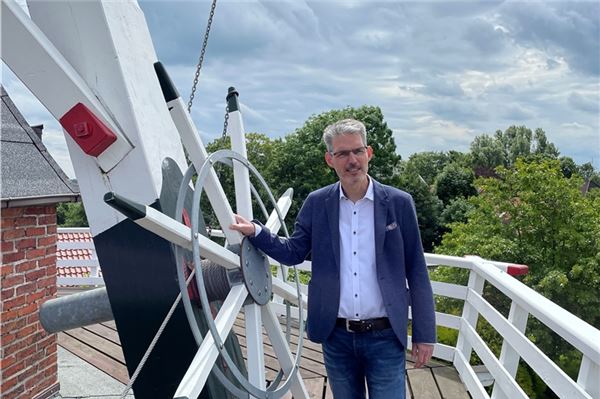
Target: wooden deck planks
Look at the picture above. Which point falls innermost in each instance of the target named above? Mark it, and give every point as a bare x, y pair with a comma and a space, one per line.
422, 384
94, 357
105, 331
99, 345
449, 383
107, 347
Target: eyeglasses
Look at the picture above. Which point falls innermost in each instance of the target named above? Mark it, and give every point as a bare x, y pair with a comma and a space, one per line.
346, 153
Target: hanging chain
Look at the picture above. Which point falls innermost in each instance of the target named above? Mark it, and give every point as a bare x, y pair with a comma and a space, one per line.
225, 123
201, 58
223, 135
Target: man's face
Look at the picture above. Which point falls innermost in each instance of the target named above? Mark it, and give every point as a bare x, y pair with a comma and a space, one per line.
350, 159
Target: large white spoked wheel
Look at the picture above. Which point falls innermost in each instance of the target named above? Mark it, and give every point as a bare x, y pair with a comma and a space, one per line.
249, 276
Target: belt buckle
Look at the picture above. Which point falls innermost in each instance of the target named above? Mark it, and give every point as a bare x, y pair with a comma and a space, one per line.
348, 325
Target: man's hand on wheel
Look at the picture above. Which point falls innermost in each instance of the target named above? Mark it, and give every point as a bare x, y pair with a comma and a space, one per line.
242, 225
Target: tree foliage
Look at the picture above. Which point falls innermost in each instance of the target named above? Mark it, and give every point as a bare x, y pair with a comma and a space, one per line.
504, 148
427, 204
260, 150
454, 181
456, 211
533, 215
71, 214
427, 164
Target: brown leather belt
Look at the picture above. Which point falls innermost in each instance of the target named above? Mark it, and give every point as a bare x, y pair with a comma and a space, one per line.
361, 326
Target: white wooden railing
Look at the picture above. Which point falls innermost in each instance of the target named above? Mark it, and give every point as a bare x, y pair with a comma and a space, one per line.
525, 302
502, 370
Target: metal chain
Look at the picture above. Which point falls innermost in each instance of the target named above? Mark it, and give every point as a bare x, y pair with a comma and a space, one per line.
226, 122
201, 58
223, 135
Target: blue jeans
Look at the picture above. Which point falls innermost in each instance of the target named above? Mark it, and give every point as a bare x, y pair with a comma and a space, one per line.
376, 356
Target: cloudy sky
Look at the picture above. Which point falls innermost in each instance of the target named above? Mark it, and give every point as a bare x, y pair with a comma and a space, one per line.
442, 72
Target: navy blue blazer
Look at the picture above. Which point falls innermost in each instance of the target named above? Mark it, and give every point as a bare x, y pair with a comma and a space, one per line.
399, 258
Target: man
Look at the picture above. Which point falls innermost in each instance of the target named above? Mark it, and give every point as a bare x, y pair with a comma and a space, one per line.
366, 247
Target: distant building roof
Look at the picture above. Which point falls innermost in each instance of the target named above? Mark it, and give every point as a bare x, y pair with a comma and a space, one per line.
30, 176
65, 236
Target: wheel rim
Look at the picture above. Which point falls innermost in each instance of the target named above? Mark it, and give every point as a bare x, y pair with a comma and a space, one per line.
274, 390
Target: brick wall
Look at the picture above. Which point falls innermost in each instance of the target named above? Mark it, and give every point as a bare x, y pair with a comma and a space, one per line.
28, 355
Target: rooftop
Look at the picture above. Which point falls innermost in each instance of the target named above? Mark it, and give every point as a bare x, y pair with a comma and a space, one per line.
30, 176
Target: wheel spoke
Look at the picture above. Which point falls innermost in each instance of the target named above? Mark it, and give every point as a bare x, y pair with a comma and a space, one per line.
197, 152
221, 207
254, 345
280, 346
284, 204
194, 379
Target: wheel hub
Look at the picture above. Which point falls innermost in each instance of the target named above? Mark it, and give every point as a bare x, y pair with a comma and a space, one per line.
256, 271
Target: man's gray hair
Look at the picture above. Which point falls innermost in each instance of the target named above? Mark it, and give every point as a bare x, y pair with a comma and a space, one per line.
344, 127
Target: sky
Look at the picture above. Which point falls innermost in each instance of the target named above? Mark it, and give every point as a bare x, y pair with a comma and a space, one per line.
441, 72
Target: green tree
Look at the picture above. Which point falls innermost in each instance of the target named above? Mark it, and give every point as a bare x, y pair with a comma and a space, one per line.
568, 166
454, 181
487, 154
464, 159
533, 215
504, 148
457, 211
427, 164
428, 206
260, 149
71, 214
542, 146
588, 173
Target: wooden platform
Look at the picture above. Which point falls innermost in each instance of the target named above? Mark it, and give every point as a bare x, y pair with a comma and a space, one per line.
99, 345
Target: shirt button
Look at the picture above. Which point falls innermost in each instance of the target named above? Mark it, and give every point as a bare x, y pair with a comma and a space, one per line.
354, 252
355, 295
355, 212
354, 232
356, 314
355, 273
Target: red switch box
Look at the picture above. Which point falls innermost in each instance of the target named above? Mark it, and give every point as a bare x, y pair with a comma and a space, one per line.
88, 131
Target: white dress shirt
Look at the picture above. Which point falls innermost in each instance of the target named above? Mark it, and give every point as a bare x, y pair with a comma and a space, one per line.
360, 296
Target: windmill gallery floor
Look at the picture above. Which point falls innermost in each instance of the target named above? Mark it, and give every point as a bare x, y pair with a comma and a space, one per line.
91, 366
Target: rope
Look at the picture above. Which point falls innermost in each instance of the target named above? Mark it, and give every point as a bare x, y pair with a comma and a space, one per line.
155, 340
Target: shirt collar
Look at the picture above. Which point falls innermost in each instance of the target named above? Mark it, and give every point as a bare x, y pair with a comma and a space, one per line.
368, 194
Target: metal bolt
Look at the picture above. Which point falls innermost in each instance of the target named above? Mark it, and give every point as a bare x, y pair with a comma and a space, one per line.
251, 282
195, 235
259, 293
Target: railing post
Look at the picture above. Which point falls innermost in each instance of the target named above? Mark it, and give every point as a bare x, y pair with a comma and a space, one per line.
589, 377
509, 357
94, 270
470, 314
